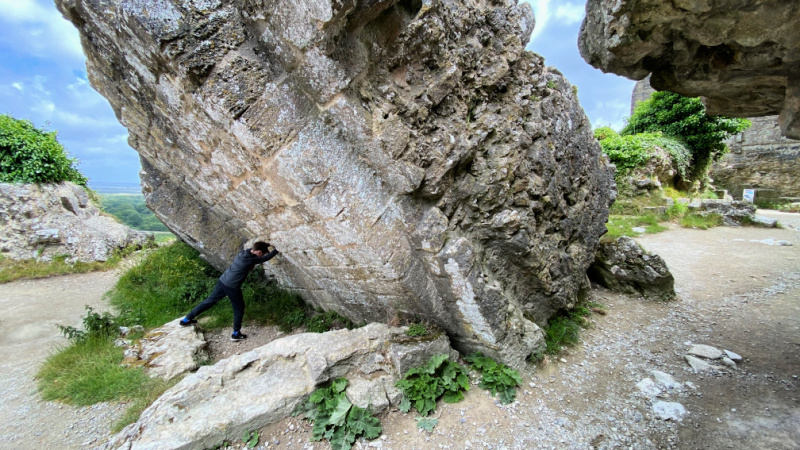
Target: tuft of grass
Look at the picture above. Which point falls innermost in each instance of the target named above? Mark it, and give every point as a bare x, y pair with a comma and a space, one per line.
563, 329
702, 222
11, 269
417, 330
623, 225
89, 372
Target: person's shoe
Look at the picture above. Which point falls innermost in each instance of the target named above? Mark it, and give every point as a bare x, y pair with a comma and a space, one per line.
238, 336
186, 323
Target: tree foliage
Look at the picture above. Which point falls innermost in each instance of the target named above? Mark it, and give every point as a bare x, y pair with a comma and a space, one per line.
31, 155
685, 119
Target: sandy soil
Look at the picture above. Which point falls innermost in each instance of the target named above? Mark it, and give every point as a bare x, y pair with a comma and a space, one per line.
737, 289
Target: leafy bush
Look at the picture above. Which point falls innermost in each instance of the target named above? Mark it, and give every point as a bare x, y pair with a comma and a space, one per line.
633, 151
336, 419
423, 386
94, 326
497, 378
685, 119
31, 155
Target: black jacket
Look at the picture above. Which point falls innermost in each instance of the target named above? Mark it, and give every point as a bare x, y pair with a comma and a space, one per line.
241, 266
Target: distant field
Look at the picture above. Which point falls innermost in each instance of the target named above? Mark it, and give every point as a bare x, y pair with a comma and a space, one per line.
131, 210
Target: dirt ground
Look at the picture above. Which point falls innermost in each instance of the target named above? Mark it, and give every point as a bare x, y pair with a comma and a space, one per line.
738, 290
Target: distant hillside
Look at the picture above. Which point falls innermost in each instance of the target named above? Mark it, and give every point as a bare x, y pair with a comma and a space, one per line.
131, 210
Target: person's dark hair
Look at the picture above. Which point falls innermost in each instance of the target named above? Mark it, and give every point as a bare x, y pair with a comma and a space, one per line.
263, 247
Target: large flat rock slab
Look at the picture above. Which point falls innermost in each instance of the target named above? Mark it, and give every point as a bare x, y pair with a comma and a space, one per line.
248, 391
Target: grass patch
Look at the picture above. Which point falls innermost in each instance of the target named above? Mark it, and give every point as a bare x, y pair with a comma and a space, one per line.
563, 329
623, 225
163, 237
89, 372
12, 269
702, 222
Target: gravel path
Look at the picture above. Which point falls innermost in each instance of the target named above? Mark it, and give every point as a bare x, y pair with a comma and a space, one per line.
28, 334
737, 290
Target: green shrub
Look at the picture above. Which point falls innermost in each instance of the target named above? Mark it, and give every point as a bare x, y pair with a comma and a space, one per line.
685, 119
95, 325
497, 378
30, 155
336, 419
633, 151
423, 386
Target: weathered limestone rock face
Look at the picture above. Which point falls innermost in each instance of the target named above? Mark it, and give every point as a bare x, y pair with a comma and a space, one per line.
248, 391
404, 156
742, 56
168, 351
623, 266
760, 158
42, 221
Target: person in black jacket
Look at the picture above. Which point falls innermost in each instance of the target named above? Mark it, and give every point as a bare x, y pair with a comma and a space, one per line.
230, 285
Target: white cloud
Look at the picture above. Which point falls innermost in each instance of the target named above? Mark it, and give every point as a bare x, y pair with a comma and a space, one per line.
39, 29
570, 13
18, 86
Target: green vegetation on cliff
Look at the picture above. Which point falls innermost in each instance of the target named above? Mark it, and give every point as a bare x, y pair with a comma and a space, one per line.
685, 120
31, 155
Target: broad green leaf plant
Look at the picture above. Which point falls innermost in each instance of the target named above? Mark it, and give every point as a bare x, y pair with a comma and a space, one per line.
423, 386
336, 419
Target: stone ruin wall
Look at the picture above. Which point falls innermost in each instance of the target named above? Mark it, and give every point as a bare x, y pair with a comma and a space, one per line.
760, 158
407, 158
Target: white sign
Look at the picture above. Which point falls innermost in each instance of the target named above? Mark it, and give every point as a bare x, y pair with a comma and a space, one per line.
748, 195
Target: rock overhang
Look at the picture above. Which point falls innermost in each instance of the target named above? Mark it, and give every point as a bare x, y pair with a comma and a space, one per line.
743, 59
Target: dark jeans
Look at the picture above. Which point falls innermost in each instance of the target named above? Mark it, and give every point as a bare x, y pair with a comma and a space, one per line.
221, 291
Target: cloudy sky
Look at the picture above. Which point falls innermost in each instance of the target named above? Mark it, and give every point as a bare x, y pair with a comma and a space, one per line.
43, 79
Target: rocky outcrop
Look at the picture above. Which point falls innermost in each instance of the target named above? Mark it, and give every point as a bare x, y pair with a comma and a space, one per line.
622, 266
44, 221
405, 157
759, 158
742, 58
733, 214
248, 391
168, 351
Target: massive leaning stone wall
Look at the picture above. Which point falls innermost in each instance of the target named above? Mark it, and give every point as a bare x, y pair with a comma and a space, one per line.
760, 158
406, 157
